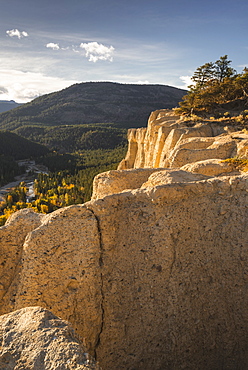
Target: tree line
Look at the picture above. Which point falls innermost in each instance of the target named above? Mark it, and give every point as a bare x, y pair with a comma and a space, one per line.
69, 181
215, 84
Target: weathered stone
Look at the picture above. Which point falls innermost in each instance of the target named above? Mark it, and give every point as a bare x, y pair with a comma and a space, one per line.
12, 237
172, 176
152, 278
168, 142
113, 182
61, 270
210, 167
221, 148
242, 149
135, 149
34, 339
173, 276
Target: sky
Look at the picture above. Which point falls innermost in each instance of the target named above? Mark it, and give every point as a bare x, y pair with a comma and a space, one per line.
48, 45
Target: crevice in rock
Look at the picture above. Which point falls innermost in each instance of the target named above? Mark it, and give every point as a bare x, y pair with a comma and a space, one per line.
174, 254
101, 263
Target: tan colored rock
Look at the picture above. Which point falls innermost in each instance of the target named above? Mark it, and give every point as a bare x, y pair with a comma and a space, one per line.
166, 136
210, 167
12, 237
35, 339
112, 182
172, 273
164, 119
142, 141
163, 133
152, 271
169, 176
222, 148
135, 149
242, 149
152, 278
194, 143
61, 270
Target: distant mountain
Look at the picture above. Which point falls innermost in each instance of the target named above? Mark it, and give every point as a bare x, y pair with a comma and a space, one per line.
126, 105
6, 105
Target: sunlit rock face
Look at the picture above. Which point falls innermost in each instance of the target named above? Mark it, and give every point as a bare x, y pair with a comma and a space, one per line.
153, 277
152, 272
34, 338
169, 142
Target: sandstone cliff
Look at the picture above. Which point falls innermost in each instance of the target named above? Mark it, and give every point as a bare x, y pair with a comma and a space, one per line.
169, 142
152, 272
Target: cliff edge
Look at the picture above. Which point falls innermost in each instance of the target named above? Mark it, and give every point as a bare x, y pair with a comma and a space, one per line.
170, 142
152, 272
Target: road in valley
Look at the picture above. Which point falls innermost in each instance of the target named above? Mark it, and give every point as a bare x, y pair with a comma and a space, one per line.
32, 169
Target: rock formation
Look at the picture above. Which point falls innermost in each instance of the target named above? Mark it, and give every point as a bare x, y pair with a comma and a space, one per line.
33, 338
169, 142
152, 272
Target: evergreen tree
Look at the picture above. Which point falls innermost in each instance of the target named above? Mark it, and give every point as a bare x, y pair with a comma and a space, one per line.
203, 74
215, 84
223, 69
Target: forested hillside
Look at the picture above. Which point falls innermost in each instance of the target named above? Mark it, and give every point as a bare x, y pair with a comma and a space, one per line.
8, 169
18, 147
12, 148
71, 138
84, 130
125, 105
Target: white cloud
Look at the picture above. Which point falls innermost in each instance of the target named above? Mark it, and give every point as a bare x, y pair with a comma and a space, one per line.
96, 51
25, 86
186, 80
53, 46
17, 33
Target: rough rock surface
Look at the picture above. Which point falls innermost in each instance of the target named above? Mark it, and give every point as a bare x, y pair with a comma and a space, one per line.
168, 142
12, 237
112, 182
152, 272
61, 270
210, 167
34, 339
152, 278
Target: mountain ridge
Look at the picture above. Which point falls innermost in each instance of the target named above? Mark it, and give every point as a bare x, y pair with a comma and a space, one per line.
127, 105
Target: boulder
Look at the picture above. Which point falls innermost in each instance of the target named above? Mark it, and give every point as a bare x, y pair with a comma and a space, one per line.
112, 182
210, 167
34, 339
61, 270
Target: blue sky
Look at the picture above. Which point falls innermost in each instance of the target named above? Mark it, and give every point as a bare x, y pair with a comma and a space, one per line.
48, 45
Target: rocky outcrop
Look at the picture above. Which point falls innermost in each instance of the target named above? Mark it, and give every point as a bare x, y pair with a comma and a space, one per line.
34, 339
60, 270
152, 272
112, 182
169, 142
153, 277
12, 237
